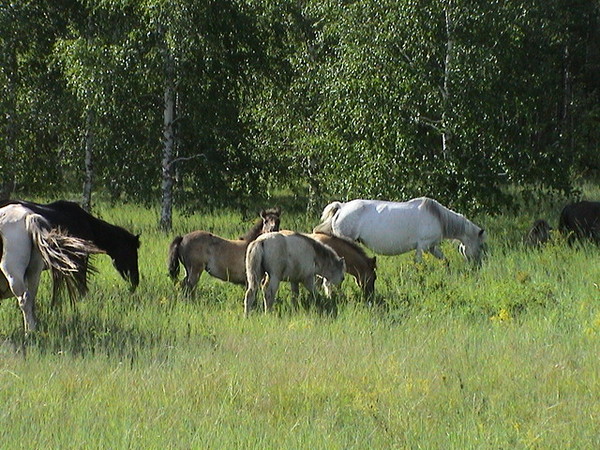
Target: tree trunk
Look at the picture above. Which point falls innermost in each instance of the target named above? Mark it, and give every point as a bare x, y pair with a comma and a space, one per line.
8, 180
314, 185
566, 126
89, 166
166, 214
446, 133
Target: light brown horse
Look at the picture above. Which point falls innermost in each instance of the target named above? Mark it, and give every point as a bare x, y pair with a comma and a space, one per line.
201, 251
288, 256
358, 264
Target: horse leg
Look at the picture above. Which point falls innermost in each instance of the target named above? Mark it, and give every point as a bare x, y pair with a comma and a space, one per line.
18, 254
192, 275
249, 299
270, 291
295, 291
419, 254
18, 286
27, 300
309, 284
435, 251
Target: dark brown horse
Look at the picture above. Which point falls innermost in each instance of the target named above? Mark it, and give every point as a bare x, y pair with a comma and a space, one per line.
539, 234
581, 220
201, 251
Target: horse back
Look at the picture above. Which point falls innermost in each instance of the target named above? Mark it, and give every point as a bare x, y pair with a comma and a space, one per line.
63, 214
582, 218
388, 228
286, 255
221, 258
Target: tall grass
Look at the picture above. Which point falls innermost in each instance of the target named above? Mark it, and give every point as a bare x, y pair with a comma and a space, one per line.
449, 357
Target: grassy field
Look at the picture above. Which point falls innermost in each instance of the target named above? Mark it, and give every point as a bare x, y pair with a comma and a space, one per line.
501, 357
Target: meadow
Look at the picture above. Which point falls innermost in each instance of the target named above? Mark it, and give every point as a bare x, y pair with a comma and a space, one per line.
504, 356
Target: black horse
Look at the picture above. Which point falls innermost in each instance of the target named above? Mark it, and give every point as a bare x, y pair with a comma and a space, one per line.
117, 242
581, 220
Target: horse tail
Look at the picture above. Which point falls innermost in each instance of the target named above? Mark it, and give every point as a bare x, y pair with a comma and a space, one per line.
66, 256
254, 264
327, 217
173, 260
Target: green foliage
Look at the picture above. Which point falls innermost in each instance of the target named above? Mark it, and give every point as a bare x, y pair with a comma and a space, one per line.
390, 99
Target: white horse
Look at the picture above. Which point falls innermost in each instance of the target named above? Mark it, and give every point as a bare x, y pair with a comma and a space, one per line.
392, 228
288, 256
30, 246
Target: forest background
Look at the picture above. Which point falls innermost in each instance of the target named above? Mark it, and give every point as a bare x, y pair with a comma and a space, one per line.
206, 103
212, 109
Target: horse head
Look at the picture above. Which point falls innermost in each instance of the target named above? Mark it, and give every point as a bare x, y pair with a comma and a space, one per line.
369, 281
125, 259
336, 270
473, 246
270, 219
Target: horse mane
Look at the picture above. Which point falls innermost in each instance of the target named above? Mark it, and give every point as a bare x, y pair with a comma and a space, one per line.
453, 224
253, 232
100, 227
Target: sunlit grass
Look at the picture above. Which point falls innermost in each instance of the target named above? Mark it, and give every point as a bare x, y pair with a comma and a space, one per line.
450, 357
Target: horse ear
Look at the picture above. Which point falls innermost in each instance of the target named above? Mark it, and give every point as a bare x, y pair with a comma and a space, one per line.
278, 210
481, 232
262, 213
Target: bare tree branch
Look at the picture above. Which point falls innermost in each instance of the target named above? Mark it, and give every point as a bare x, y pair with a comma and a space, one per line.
185, 158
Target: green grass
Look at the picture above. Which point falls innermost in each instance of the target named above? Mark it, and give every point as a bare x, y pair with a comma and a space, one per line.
501, 357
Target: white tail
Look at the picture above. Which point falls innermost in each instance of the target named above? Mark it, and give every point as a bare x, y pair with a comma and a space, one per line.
66, 256
59, 251
327, 217
254, 265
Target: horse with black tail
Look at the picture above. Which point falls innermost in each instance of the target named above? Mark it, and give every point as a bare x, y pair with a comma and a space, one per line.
118, 243
29, 245
222, 258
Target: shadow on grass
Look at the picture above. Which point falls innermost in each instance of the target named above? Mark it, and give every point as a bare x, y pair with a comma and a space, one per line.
74, 335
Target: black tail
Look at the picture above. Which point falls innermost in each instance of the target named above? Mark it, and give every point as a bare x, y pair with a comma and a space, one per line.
173, 259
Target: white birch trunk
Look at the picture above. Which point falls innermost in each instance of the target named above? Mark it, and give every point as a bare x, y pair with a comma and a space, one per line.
446, 134
8, 179
166, 214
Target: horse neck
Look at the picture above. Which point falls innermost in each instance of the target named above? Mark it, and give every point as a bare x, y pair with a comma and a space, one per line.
455, 226
253, 232
106, 236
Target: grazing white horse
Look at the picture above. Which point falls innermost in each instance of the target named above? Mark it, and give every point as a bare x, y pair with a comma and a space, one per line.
288, 256
392, 228
30, 246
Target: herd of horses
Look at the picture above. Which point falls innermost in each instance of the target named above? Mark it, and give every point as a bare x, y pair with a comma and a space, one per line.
60, 236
